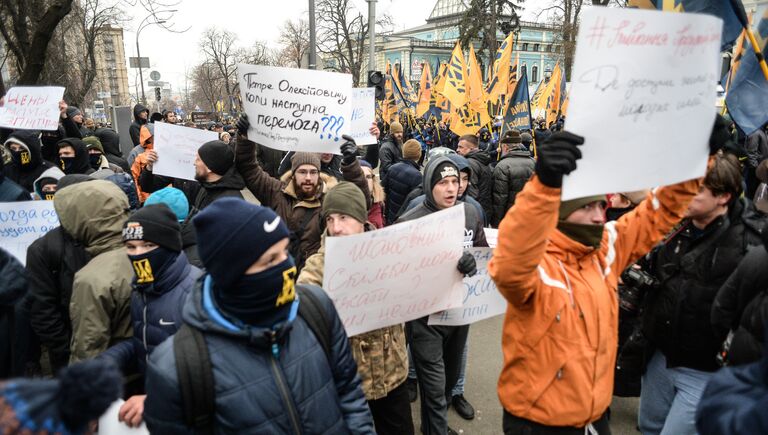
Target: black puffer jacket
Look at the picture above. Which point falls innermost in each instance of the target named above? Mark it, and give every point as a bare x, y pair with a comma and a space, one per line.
52, 262
481, 180
389, 154
741, 306
260, 387
13, 288
402, 179
29, 164
135, 129
229, 185
510, 175
155, 314
691, 270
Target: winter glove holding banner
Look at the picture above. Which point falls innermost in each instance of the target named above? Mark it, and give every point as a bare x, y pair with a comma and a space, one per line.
557, 156
467, 265
243, 125
348, 150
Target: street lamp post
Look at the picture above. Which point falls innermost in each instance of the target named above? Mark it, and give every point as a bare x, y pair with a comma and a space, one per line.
144, 24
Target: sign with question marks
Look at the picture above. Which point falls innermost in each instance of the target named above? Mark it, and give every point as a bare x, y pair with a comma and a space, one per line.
398, 273
296, 109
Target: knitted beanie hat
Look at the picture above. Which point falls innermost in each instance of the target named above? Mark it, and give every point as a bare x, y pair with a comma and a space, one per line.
345, 198
217, 155
412, 150
154, 223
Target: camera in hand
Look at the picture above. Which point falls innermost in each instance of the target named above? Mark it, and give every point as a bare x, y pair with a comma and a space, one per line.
636, 285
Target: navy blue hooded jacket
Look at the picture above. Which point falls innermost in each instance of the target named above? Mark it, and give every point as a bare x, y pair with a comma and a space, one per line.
402, 178
155, 314
293, 389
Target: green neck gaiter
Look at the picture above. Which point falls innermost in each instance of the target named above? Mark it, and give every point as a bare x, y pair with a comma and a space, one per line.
587, 235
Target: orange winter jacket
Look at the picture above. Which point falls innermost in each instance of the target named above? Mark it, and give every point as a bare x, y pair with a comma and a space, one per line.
141, 162
561, 325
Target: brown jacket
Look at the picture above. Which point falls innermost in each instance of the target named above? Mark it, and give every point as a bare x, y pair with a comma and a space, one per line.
382, 361
560, 331
281, 196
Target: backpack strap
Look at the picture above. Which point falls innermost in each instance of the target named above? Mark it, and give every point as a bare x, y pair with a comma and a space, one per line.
311, 310
195, 373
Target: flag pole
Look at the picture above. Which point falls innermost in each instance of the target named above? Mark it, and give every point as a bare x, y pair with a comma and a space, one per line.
739, 10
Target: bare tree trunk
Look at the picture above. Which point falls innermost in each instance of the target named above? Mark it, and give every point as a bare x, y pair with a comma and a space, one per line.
35, 57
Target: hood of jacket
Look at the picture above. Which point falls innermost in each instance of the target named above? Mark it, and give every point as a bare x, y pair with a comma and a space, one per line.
29, 140
52, 172
137, 109
426, 181
481, 156
230, 180
200, 311
110, 140
146, 133
81, 165
94, 214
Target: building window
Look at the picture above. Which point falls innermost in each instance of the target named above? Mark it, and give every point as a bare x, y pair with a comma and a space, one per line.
525, 46
525, 70
535, 74
535, 47
549, 48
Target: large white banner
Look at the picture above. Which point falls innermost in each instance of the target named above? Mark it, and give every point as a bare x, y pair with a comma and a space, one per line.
176, 147
31, 108
294, 109
396, 274
21, 223
642, 92
482, 299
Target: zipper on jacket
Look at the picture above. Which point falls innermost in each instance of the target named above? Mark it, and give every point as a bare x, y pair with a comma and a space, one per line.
144, 327
281, 385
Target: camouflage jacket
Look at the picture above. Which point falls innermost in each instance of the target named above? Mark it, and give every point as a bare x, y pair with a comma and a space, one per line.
382, 361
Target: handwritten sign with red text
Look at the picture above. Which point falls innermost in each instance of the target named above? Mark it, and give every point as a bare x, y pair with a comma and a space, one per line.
396, 274
31, 108
643, 93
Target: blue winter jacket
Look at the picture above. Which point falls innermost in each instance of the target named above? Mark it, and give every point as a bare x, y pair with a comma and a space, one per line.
735, 401
156, 312
402, 178
291, 388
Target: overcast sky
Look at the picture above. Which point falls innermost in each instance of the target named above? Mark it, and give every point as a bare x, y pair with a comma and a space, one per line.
172, 54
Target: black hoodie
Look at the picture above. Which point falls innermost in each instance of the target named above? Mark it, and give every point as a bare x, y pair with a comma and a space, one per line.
110, 140
135, 129
25, 169
80, 165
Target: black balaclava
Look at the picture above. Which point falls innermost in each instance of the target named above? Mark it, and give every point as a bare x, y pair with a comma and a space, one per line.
79, 164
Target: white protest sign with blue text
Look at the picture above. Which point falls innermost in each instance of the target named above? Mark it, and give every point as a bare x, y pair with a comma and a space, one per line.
363, 115
482, 299
396, 274
176, 147
294, 109
642, 93
31, 108
21, 223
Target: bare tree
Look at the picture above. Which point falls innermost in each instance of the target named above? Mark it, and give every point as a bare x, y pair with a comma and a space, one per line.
27, 26
483, 18
294, 38
207, 85
218, 47
341, 34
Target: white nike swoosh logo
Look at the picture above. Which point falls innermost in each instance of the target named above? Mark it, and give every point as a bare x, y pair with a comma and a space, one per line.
163, 323
269, 227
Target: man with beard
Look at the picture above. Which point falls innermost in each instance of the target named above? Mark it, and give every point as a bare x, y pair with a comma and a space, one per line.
298, 195
215, 175
391, 150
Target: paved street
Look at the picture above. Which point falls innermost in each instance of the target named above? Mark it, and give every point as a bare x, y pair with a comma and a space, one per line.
483, 370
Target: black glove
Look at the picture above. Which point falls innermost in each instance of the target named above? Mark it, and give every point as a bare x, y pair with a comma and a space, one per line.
348, 150
721, 135
467, 264
557, 156
243, 125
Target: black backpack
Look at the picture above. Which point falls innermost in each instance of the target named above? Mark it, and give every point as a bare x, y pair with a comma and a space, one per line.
195, 373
